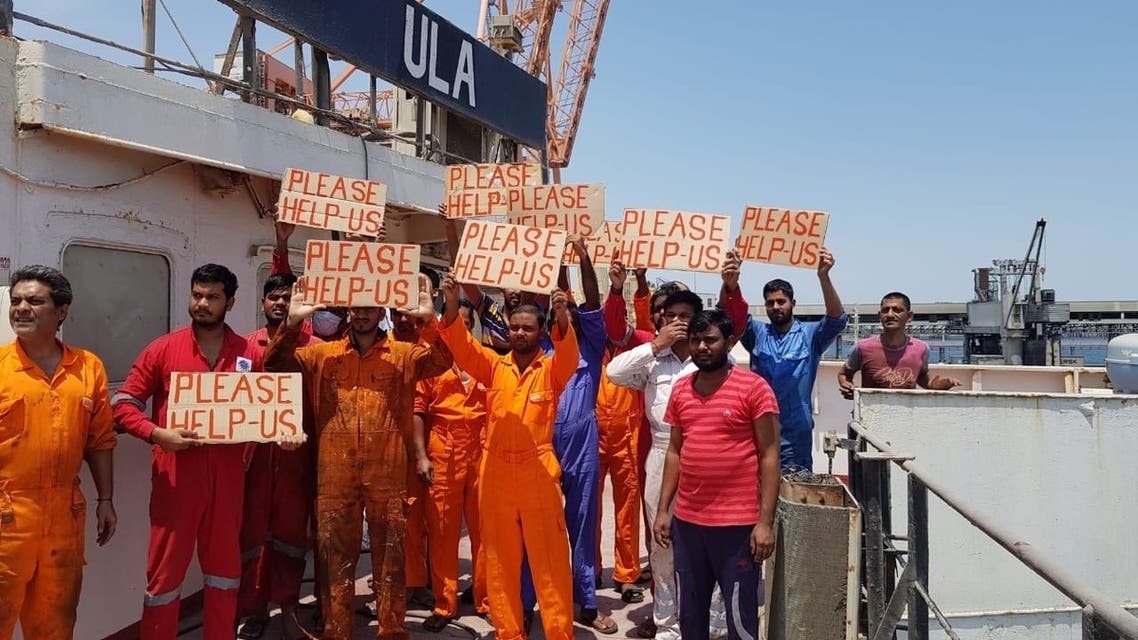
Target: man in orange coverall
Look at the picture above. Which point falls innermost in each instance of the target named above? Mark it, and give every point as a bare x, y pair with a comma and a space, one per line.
450, 424
360, 393
196, 491
519, 468
54, 413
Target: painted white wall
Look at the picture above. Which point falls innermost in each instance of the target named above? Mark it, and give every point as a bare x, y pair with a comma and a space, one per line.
1055, 468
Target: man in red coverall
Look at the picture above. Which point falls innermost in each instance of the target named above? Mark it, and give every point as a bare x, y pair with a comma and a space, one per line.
360, 391
195, 497
278, 498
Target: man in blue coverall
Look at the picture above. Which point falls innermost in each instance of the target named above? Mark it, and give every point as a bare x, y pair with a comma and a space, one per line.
786, 351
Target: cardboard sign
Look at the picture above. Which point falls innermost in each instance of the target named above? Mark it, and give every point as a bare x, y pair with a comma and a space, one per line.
574, 208
235, 407
361, 274
603, 247
326, 201
680, 240
509, 256
793, 237
483, 189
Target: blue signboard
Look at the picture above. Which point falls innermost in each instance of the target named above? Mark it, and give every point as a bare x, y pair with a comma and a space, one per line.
410, 46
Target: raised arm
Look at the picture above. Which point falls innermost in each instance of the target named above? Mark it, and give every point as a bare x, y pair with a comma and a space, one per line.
281, 354
566, 355
616, 312
430, 356
283, 231
471, 357
589, 283
829, 294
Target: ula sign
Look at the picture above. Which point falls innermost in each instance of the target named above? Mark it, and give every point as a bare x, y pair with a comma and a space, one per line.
411, 46
235, 407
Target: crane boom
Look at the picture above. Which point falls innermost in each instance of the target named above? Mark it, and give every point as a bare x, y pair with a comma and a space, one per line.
578, 66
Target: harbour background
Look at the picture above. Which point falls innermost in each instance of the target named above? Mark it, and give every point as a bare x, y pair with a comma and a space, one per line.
950, 349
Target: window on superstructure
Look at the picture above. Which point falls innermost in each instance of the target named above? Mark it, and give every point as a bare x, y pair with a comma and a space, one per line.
122, 302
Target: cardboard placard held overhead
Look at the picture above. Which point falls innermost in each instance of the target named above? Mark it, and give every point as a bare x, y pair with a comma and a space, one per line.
680, 240
509, 256
326, 201
483, 189
793, 237
236, 407
361, 274
574, 208
603, 247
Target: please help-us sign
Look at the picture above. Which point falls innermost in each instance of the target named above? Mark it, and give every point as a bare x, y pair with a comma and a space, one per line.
223, 407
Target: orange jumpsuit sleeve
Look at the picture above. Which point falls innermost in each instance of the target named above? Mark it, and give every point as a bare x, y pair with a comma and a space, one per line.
424, 392
431, 355
282, 355
566, 356
471, 357
101, 432
642, 307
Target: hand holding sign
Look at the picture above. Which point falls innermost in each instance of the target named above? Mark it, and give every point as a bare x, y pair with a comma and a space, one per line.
172, 440
730, 272
825, 262
292, 442
617, 274
560, 305
298, 309
426, 308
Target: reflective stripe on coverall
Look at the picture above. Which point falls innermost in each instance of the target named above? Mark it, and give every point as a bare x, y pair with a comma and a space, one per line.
362, 408
520, 471
46, 427
195, 496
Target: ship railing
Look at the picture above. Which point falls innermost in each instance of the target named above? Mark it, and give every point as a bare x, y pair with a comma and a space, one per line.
888, 596
252, 89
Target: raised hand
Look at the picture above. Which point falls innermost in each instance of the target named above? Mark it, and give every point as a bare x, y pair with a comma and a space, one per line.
730, 273
577, 241
283, 231
298, 309
426, 307
670, 334
825, 262
618, 274
559, 303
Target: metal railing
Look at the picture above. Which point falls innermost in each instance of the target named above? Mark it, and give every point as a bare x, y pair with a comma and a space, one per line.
887, 598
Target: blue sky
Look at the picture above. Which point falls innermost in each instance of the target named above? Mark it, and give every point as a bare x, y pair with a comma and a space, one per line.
935, 134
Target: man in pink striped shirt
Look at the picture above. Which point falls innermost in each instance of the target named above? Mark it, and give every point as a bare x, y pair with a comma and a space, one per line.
723, 457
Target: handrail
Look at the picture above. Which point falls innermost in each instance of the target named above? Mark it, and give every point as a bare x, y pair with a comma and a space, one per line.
1108, 611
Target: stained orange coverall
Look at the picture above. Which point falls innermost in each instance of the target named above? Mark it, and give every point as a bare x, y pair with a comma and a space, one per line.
454, 412
362, 408
520, 493
46, 427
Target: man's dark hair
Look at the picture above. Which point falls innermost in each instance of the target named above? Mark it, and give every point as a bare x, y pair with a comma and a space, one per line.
278, 281
704, 320
433, 275
776, 286
900, 296
466, 304
528, 308
211, 273
51, 278
665, 290
685, 297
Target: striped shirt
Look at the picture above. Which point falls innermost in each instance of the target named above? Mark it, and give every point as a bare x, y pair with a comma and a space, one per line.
719, 460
